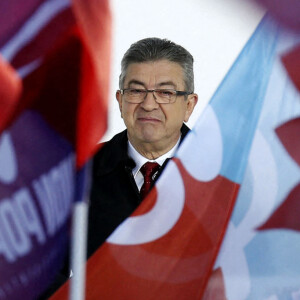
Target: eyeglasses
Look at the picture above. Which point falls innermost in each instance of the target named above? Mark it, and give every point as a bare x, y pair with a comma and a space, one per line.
161, 96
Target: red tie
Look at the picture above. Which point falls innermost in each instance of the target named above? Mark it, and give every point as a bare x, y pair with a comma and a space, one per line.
148, 170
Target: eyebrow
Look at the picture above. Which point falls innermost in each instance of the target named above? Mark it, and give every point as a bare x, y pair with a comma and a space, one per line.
167, 83
134, 81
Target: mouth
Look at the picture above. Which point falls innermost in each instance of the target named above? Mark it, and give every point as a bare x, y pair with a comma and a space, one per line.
148, 120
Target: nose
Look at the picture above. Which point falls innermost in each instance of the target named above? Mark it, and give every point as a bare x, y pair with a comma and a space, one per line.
149, 102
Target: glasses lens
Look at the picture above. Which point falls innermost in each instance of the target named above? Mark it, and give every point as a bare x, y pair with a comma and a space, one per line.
138, 95
165, 96
134, 95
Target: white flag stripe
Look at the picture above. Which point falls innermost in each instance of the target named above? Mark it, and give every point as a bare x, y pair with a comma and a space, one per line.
33, 26
136, 230
206, 141
25, 70
8, 170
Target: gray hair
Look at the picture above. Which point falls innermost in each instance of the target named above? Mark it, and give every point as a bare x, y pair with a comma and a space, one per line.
153, 49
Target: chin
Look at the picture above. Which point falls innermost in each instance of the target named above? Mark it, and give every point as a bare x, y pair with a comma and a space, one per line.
149, 135
149, 139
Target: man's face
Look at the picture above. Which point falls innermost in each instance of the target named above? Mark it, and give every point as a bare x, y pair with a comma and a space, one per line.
149, 124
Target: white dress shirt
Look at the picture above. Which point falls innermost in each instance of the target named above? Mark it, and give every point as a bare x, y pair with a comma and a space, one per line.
141, 160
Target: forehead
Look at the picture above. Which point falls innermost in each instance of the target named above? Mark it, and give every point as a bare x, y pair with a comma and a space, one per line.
155, 73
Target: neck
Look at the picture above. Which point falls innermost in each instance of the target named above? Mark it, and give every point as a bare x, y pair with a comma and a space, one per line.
152, 150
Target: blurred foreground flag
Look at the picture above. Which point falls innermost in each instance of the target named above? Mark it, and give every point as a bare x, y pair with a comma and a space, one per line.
54, 67
259, 257
284, 11
168, 247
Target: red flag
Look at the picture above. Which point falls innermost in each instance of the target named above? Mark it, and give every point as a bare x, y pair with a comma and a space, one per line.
94, 20
70, 58
9, 91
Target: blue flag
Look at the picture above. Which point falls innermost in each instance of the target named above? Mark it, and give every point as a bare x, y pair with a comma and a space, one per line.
259, 257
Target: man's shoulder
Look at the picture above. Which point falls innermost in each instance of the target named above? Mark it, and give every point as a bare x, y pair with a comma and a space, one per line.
117, 139
111, 152
184, 131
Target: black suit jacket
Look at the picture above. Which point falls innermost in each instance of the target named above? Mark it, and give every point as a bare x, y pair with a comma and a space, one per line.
114, 194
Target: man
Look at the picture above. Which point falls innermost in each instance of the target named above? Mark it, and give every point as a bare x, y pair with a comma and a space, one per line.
156, 97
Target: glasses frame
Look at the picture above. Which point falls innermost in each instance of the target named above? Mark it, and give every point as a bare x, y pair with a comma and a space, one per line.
177, 93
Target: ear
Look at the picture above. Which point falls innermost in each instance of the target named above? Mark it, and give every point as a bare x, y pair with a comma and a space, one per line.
119, 99
190, 105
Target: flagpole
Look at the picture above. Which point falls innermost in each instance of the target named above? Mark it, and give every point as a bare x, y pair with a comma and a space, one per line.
78, 251
79, 233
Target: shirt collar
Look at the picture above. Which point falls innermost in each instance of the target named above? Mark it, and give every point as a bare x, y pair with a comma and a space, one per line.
140, 160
